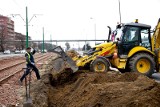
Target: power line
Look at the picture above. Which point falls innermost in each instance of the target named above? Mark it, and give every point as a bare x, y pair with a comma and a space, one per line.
5, 11
17, 4
1, 9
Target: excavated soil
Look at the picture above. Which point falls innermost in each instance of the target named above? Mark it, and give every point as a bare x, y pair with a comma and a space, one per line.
89, 89
103, 90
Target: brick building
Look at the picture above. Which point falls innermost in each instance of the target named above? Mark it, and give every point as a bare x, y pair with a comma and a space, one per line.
6, 33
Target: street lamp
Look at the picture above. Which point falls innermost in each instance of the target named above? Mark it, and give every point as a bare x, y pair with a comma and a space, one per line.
43, 41
119, 11
94, 29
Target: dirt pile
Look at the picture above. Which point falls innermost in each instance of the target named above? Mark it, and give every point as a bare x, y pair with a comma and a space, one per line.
89, 89
104, 90
96, 90
72, 53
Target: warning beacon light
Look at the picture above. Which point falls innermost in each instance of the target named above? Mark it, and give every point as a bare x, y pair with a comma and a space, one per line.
136, 20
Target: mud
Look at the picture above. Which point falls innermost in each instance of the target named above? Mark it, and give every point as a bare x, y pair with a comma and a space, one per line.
89, 89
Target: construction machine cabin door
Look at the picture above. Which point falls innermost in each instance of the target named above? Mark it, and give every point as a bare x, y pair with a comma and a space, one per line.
133, 36
129, 40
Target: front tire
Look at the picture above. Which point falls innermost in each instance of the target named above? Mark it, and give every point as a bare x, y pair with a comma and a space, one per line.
142, 63
99, 65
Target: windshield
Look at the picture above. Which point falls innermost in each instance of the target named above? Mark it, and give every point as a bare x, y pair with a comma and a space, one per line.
131, 34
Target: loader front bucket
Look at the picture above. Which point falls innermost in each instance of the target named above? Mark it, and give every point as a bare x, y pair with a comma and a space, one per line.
66, 58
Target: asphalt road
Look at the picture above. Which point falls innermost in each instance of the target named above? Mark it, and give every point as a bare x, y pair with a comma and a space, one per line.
9, 55
156, 76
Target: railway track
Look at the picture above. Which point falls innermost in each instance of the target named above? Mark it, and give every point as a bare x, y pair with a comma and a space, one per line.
20, 62
9, 70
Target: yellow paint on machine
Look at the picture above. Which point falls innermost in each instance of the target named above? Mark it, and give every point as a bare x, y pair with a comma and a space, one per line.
119, 63
143, 65
139, 49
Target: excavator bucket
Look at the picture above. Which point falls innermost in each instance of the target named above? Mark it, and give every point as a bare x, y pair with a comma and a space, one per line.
58, 50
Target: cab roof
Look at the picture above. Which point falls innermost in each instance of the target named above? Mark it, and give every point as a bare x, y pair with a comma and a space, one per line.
138, 24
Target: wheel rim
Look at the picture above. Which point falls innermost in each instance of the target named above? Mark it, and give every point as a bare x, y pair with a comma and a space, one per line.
100, 67
143, 66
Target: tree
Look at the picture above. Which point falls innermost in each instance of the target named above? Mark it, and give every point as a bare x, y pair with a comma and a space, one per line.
67, 45
21, 44
34, 45
2, 38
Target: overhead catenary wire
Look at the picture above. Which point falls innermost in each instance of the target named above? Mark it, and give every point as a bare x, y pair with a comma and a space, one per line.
15, 2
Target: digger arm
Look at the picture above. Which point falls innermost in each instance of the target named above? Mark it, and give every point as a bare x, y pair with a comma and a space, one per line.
156, 37
58, 50
156, 45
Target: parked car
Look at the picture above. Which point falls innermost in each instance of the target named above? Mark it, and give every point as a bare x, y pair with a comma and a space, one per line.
7, 52
17, 52
23, 51
45, 51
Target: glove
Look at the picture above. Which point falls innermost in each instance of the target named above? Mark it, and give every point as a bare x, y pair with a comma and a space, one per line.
32, 63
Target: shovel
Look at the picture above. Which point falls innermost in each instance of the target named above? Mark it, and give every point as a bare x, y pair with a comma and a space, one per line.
28, 102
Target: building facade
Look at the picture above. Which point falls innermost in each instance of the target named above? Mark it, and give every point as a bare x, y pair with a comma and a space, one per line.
7, 34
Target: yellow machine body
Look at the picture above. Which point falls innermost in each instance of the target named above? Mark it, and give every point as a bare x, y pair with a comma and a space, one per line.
121, 63
156, 41
103, 49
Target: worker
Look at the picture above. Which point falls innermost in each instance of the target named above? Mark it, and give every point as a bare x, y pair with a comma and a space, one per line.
30, 65
135, 38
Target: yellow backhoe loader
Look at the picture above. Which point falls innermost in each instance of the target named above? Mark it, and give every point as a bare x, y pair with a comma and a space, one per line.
130, 46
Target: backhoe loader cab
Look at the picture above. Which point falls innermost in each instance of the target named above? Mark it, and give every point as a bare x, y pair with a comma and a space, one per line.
133, 35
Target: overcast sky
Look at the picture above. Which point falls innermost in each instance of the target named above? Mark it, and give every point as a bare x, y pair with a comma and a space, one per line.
70, 19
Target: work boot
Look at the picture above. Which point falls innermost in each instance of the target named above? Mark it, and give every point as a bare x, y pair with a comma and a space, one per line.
20, 82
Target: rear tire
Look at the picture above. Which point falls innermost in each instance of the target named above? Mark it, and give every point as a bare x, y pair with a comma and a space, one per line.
142, 63
99, 65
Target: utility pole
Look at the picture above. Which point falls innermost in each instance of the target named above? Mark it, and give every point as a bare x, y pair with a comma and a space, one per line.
119, 11
51, 40
43, 41
26, 22
94, 27
95, 32
26, 27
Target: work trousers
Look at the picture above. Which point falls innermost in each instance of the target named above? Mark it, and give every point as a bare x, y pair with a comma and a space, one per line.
29, 67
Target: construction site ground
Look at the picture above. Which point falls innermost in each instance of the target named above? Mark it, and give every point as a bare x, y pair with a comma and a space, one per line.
59, 87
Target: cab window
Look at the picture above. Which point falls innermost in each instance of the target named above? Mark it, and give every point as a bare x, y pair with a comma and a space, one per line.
144, 38
116, 35
131, 34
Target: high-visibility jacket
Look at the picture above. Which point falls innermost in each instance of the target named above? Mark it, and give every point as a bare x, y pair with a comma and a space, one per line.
29, 58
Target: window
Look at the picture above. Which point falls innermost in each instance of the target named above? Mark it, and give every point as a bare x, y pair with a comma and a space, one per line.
144, 37
116, 35
131, 34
